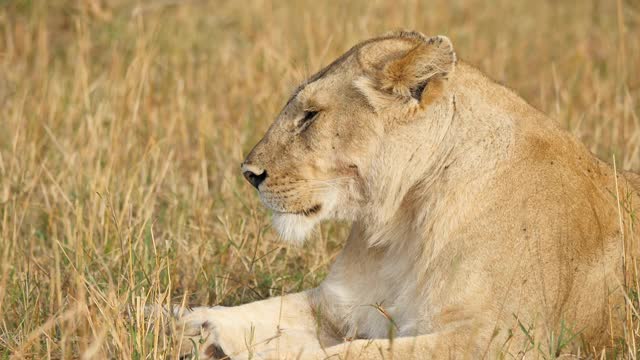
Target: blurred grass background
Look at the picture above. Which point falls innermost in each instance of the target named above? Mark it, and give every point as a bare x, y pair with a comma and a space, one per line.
123, 124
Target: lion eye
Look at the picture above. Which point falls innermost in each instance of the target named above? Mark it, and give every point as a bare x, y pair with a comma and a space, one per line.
307, 118
309, 115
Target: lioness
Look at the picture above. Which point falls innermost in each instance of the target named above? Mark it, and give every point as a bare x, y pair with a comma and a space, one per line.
480, 227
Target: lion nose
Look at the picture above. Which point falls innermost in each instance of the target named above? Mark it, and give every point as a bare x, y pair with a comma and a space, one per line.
254, 175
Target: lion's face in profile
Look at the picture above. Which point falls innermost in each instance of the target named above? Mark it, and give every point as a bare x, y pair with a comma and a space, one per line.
308, 167
319, 159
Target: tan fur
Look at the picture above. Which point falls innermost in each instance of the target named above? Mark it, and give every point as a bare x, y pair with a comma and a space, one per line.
475, 218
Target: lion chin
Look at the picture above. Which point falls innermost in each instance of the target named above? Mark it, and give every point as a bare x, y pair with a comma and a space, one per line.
293, 228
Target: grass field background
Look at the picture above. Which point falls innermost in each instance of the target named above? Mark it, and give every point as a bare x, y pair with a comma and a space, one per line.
123, 124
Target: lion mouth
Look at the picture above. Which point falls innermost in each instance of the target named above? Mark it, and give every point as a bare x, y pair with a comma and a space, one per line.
311, 211
306, 212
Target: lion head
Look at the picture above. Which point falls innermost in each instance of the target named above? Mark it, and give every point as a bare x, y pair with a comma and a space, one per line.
355, 136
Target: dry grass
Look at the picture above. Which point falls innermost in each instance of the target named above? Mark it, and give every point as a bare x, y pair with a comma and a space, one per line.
122, 125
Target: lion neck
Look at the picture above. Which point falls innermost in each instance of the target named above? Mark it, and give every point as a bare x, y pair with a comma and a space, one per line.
430, 170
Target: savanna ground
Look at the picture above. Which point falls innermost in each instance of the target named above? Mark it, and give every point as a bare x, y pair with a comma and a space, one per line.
123, 124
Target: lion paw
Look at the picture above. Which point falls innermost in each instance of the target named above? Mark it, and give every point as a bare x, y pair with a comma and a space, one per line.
200, 338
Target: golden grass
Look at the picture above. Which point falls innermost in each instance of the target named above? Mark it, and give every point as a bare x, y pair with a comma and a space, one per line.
123, 124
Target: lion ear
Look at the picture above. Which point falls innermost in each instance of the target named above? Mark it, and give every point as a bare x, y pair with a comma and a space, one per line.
402, 65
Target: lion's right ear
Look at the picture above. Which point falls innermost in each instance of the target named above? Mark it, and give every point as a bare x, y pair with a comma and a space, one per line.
405, 69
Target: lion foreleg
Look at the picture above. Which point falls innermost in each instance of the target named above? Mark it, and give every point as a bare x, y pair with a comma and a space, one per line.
453, 344
273, 328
